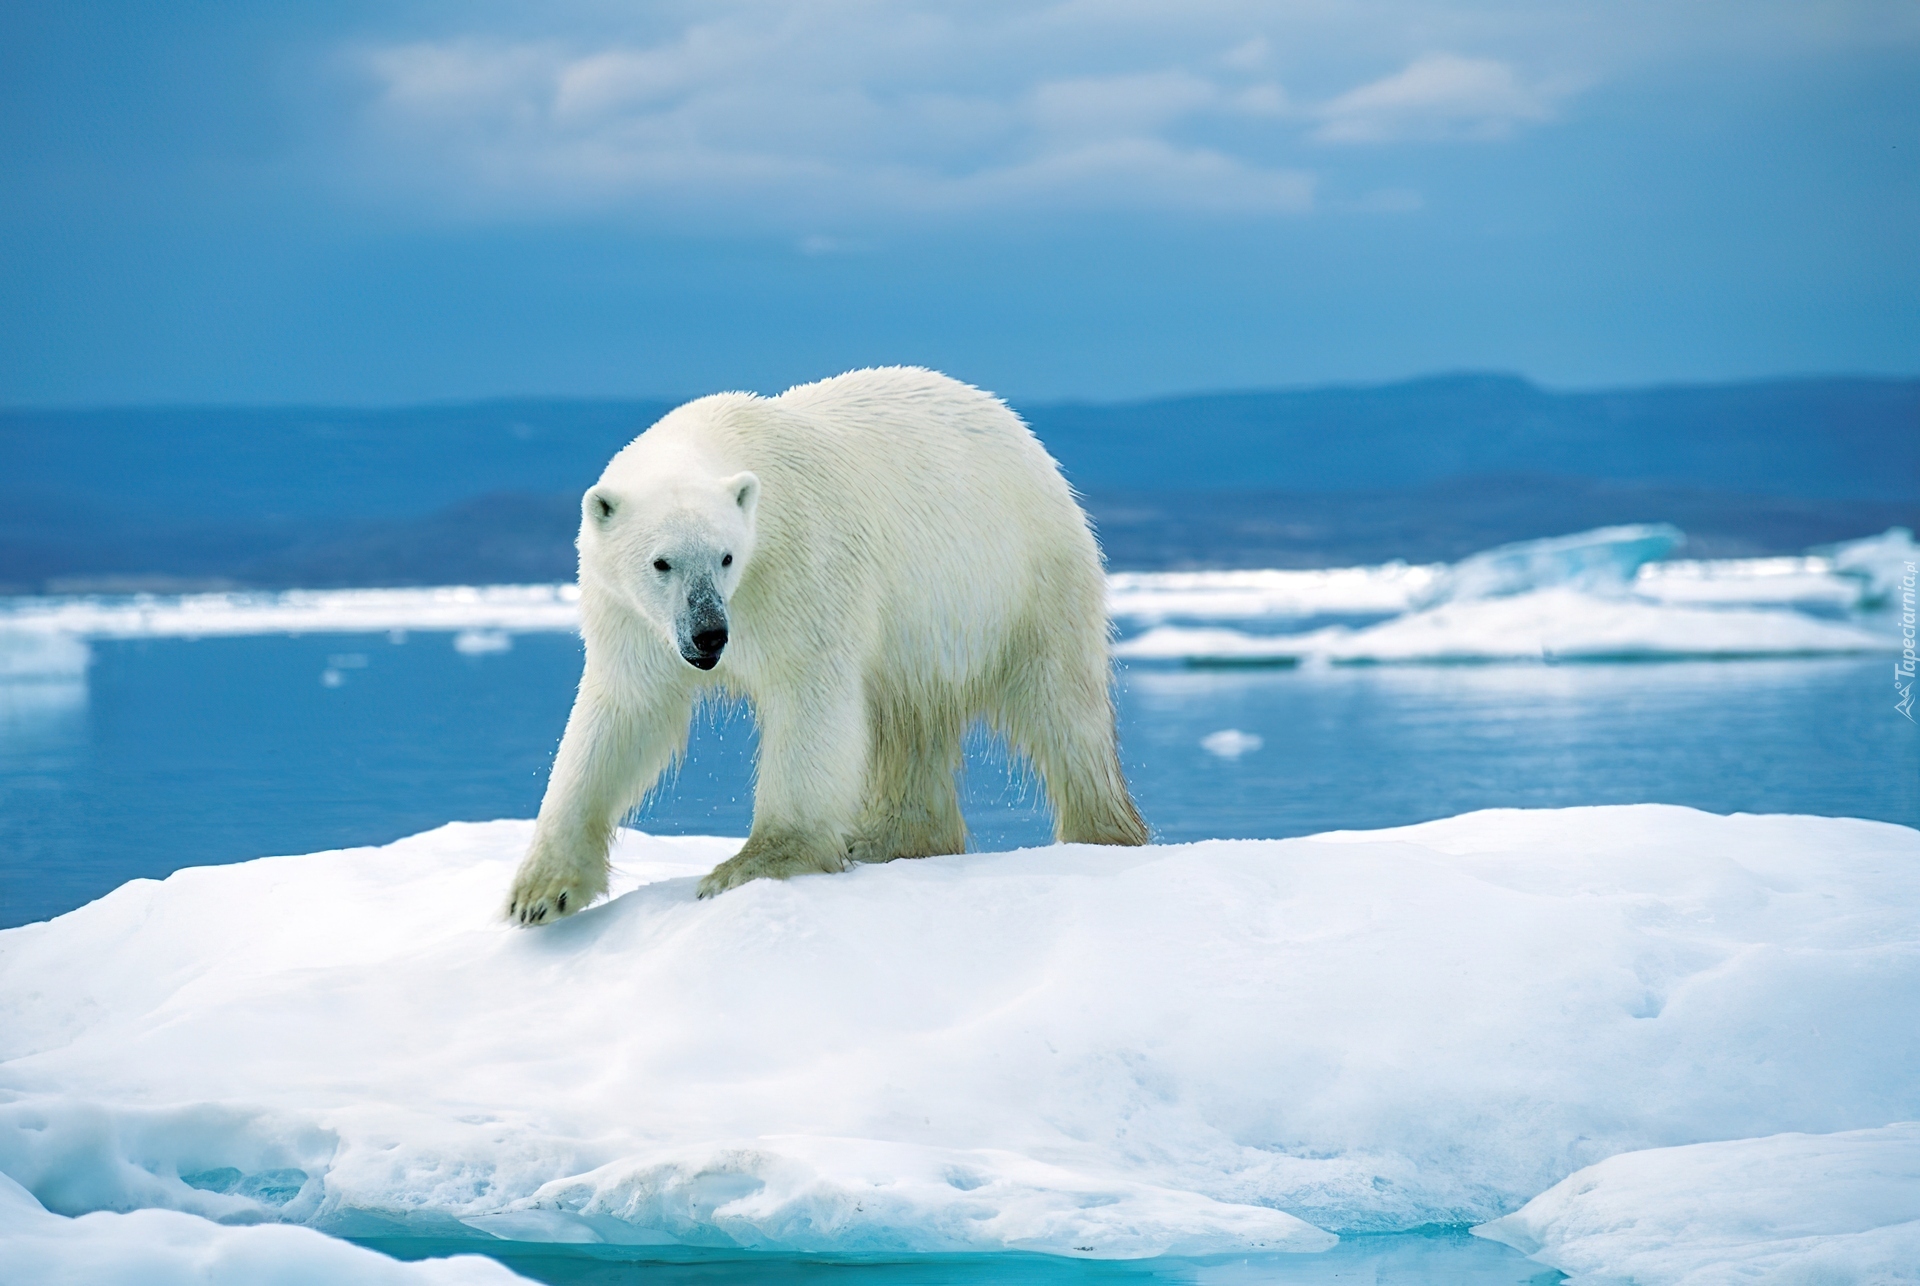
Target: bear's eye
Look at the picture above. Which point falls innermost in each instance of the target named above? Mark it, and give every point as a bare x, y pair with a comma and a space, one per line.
662, 565
726, 560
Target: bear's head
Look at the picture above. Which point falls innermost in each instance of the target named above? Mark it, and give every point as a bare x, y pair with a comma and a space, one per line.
672, 546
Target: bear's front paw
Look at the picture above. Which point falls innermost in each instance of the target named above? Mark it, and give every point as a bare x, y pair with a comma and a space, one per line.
546, 890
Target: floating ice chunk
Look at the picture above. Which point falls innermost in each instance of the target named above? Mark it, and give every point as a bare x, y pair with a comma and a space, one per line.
1097, 1051
1883, 564
31, 655
482, 642
1230, 743
1789, 1208
301, 611
1808, 582
1249, 595
168, 1248
1571, 625
1216, 646
1604, 560
1546, 625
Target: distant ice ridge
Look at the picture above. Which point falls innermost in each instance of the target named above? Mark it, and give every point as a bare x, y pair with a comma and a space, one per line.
1543, 625
1385, 590
1597, 596
299, 611
1216, 1047
1604, 561
1602, 594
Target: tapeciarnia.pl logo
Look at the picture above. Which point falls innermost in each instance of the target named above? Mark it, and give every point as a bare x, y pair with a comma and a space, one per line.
1903, 668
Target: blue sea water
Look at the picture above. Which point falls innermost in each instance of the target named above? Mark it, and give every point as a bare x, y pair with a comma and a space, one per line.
175, 752
1449, 1255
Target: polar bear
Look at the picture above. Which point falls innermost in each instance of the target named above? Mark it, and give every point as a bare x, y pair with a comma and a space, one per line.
872, 562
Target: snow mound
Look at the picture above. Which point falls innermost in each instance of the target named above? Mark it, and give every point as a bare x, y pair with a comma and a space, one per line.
1200, 1048
167, 1248
1790, 1208
1560, 624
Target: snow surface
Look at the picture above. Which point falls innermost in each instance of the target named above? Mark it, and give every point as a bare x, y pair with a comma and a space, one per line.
1812, 1208
1182, 1049
167, 1248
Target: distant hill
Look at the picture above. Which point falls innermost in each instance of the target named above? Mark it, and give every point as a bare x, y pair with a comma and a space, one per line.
1824, 438
1431, 468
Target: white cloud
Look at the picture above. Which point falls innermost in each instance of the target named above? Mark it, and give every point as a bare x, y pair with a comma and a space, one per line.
844, 112
1438, 96
717, 115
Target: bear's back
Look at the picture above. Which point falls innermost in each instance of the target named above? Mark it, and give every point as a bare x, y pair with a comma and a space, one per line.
912, 446
918, 499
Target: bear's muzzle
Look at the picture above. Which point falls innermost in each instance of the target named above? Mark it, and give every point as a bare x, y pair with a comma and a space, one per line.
703, 626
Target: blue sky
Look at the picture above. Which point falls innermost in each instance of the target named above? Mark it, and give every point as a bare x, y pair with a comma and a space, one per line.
1099, 198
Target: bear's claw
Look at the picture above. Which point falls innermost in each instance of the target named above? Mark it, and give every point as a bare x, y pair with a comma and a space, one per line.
541, 895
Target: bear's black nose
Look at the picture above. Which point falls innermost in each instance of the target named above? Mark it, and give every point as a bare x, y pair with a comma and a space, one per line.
710, 642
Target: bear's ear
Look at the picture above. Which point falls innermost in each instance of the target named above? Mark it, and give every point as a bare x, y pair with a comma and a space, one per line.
600, 506
745, 490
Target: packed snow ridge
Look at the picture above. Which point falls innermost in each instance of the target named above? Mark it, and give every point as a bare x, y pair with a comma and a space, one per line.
1610, 594
1228, 1046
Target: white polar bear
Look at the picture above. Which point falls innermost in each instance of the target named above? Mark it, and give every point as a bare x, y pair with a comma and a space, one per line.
873, 562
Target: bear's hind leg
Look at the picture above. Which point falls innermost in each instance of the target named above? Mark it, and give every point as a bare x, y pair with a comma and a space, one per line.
913, 797
806, 804
1056, 710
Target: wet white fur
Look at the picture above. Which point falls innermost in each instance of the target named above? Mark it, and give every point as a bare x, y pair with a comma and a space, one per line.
906, 559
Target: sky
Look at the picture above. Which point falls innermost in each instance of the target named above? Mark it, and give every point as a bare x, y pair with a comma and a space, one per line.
363, 203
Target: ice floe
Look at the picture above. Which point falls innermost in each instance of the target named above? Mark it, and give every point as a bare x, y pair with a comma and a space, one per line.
168, 1248
1604, 560
1222, 1046
1882, 564
1828, 1208
300, 611
1604, 594
1597, 596
1545, 625
1383, 590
